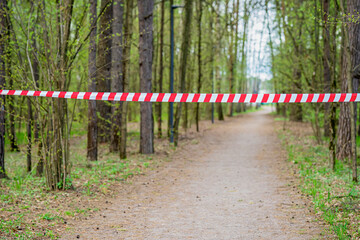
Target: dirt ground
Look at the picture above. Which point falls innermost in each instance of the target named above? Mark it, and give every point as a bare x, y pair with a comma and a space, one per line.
233, 183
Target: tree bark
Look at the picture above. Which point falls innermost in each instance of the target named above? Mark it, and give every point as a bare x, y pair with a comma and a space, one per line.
161, 68
92, 148
218, 56
3, 27
29, 133
104, 69
197, 117
242, 84
116, 73
185, 47
146, 8
126, 76
346, 141
326, 65
11, 111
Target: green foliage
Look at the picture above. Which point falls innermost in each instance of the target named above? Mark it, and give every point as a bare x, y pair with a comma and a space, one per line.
334, 195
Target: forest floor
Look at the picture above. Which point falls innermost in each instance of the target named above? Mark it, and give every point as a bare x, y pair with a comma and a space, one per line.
231, 182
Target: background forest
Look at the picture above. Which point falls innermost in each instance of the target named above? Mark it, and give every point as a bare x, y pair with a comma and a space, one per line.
222, 46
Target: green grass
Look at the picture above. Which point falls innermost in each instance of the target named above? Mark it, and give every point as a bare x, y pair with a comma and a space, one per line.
335, 197
24, 190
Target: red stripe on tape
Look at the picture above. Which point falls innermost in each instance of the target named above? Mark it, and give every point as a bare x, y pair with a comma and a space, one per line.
99, 95
184, 97
265, 98
207, 97
196, 97
231, 97
24, 93
49, 93
342, 97
160, 97
124, 97
112, 96
298, 97
287, 98
276, 98
253, 98
321, 97
74, 95
219, 97
87, 95
136, 97
353, 97
148, 97
62, 94
332, 97
172, 97
310, 97
242, 98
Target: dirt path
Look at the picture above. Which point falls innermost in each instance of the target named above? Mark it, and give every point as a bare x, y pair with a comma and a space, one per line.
228, 186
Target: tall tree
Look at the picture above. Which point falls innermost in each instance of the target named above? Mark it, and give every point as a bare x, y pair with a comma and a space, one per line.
329, 69
234, 20
3, 29
350, 76
185, 49
242, 82
146, 8
58, 60
103, 63
354, 77
126, 72
92, 148
116, 72
197, 116
161, 68
326, 64
218, 46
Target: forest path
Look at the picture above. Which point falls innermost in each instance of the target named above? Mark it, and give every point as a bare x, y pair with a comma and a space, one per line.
229, 185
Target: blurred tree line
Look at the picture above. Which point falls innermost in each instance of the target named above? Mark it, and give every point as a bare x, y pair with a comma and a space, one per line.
113, 46
315, 49
124, 46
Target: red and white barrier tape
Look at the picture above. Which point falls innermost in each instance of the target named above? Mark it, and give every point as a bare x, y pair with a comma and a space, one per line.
193, 97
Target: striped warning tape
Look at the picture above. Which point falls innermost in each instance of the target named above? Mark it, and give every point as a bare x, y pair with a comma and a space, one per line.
193, 97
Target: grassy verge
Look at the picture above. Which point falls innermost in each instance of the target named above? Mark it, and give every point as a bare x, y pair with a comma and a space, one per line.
336, 199
28, 210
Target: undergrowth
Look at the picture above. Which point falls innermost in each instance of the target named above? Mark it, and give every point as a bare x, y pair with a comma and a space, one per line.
335, 197
28, 210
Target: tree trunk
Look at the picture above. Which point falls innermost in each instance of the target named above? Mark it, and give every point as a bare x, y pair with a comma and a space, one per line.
218, 56
126, 73
146, 8
3, 27
326, 65
353, 78
36, 125
28, 130
104, 69
344, 140
11, 111
197, 117
211, 61
57, 162
185, 47
161, 68
242, 83
116, 73
92, 148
